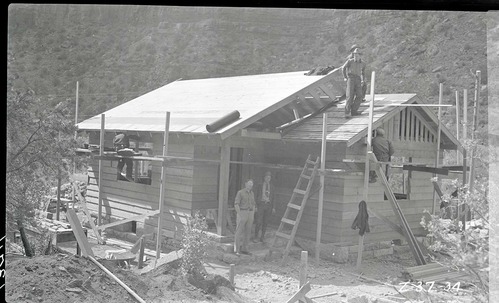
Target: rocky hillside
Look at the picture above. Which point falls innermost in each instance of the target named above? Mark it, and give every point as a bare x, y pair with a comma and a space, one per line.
119, 52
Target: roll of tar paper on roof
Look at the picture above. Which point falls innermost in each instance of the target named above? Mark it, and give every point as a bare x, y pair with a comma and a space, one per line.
225, 120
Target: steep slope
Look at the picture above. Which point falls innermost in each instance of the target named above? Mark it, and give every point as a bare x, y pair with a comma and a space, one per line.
119, 52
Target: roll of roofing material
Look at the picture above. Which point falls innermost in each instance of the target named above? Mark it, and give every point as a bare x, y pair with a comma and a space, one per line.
224, 121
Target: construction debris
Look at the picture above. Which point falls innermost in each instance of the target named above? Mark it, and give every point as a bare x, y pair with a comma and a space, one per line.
432, 272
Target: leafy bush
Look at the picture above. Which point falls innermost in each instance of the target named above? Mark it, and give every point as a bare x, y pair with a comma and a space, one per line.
464, 249
194, 243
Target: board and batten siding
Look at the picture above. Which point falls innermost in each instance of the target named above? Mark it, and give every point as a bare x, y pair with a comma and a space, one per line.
123, 199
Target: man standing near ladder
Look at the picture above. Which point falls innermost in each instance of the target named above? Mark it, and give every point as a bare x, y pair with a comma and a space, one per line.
353, 72
245, 208
265, 206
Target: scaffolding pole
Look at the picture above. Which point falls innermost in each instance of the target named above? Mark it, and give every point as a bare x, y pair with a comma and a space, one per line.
321, 192
75, 137
101, 153
366, 171
437, 159
162, 189
476, 107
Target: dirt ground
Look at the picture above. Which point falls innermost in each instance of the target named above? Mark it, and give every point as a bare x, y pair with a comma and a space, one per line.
63, 277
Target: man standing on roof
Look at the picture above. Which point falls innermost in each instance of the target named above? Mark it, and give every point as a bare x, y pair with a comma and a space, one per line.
265, 206
383, 150
364, 84
245, 208
353, 72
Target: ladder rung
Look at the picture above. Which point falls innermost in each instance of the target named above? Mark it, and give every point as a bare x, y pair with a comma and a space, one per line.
288, 221
283, 235
294, 206
300, 191
311, 162
305, 176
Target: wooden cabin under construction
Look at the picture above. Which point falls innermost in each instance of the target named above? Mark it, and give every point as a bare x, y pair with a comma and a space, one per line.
212, 149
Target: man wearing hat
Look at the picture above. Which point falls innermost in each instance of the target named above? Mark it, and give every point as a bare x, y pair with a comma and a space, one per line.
353, 72
264, 205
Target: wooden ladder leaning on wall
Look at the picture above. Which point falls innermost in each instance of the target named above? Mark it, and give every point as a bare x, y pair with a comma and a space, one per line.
293, 205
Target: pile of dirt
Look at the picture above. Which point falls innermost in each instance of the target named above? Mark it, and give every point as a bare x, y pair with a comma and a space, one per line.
67, 278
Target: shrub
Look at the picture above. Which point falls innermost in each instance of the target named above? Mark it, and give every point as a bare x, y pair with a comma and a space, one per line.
194, 243
462, 249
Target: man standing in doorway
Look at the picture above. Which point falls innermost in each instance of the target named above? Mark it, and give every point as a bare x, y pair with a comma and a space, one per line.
353, 73
265, 206
245, 208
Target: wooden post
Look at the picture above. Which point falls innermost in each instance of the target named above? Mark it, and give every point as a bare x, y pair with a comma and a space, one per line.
141, 253
223, 188
476, 108
231, 274
458, 126
75, 137
58, 204
437, 159
101, 153
465, 134
57, 209
162, 189
303, 269
367, 170
321, 192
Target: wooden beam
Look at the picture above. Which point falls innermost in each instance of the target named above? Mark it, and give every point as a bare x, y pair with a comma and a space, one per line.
433, 170
113, 157
458, 125
300, 294
414, 105
367, 169
162, 189
109, 273
81, 238
83, 204
321, 192
437, 189
476, 108
411, 240
101, 153
303, 269
260, 135
223, 188
134, 218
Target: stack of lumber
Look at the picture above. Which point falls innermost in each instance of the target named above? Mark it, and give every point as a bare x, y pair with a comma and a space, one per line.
432, 272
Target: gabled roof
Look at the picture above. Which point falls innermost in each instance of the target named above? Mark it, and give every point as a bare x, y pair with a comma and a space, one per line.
351, 130
270, 99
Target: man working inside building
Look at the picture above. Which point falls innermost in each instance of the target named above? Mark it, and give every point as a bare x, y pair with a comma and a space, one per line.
383, 150
353, 72
122, 146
